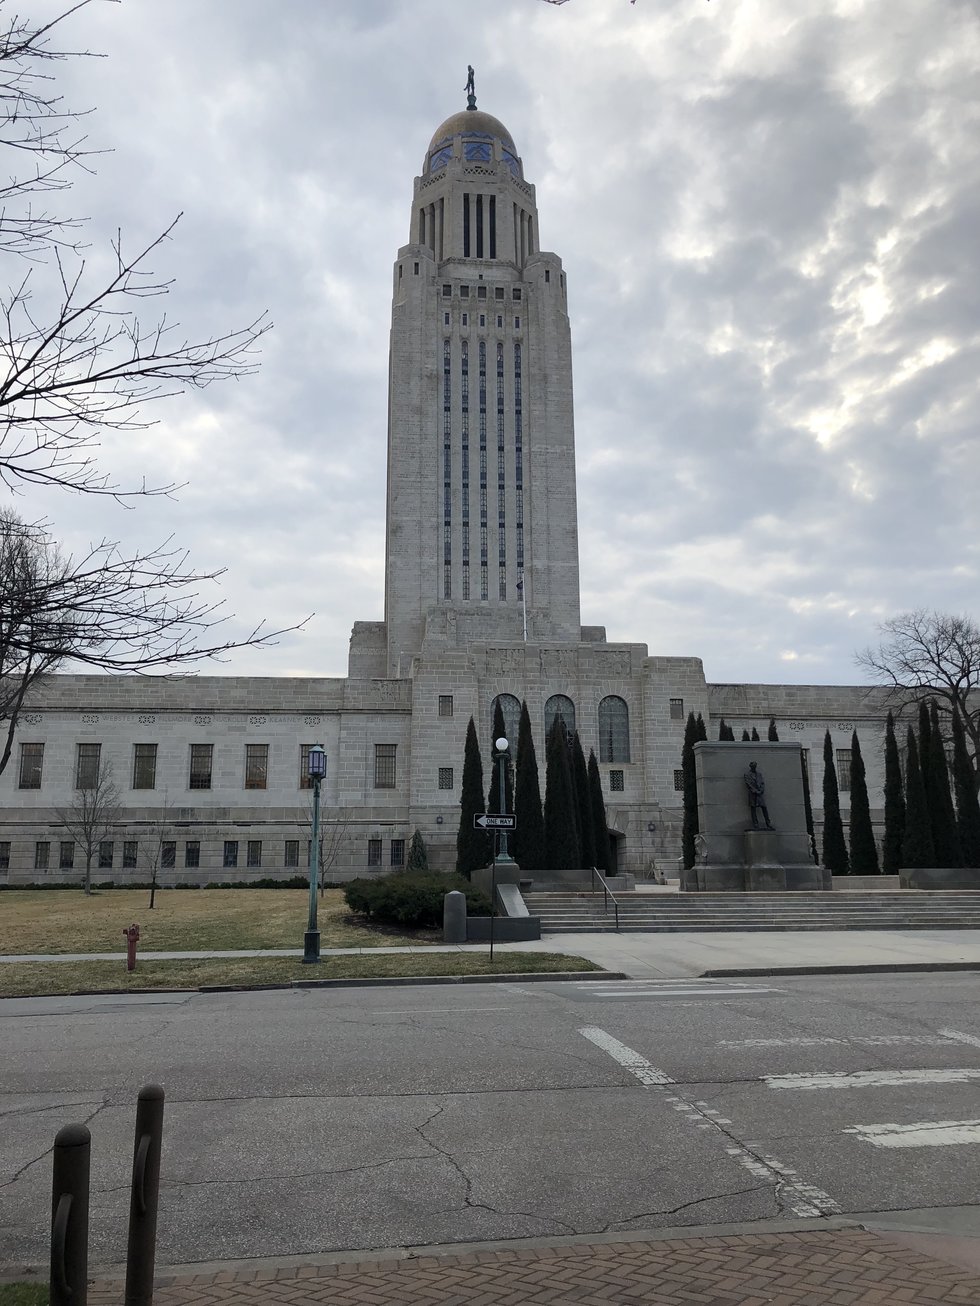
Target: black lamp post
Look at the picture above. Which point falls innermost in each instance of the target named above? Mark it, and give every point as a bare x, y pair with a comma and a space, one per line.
316, 769
502, 746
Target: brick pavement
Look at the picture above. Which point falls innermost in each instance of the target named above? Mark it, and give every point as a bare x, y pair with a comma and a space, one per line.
821, 1267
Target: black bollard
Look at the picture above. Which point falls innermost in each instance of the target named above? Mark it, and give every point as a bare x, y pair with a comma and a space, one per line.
144, 1199
69, 1216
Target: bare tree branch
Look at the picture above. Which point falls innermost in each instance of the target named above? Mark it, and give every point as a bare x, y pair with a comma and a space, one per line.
931, 655
105, 611
93, 813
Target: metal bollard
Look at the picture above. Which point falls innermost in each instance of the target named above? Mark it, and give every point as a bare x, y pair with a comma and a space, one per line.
454, 917
145, 1196
69, 1216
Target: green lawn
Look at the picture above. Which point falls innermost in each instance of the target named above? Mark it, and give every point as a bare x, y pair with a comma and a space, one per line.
26, 980
24, 1294
65, 920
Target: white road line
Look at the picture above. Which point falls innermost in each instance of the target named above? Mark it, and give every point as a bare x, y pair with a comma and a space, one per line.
435, 1011
927, 1133
871, 1078
868, 1040
972, 1040
802, 1199
682, 993
647, 1074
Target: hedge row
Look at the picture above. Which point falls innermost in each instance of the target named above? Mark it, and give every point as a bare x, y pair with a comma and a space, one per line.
412, 899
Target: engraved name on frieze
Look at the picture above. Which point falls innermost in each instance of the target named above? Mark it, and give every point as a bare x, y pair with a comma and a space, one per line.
845, 726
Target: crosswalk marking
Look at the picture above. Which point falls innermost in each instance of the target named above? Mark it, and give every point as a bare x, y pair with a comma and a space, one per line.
694, 988
971, 1040
872, 1078
646, 1073
925, 1133
866, 1040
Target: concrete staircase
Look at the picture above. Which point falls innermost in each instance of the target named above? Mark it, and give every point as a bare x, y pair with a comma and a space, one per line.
570, 912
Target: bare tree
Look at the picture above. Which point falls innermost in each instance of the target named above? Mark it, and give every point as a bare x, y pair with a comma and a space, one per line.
92, 814
152, 847
78, 355
333, 838
932, 655
105, 611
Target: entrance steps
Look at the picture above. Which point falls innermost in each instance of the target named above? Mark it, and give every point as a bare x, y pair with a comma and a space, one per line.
582, 912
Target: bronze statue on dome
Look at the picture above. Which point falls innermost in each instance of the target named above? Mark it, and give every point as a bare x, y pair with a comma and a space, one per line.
470, 88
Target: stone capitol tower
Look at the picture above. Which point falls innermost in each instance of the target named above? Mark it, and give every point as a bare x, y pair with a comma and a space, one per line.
481, 513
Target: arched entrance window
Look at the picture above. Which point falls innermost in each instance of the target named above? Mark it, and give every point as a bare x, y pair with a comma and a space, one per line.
511, 709
614, 730
559, 705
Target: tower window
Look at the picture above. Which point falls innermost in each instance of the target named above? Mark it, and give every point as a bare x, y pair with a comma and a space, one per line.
446, 291
677, 709
466, 320
483, 319
481, 292
445, 704
445, 319
614, 730
384, 766
517, 324
498, 292
400, 271
417, 271
547, 272
464, 292
500, 322
516, 292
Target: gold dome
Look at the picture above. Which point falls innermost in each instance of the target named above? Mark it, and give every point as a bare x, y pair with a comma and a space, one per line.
472, 120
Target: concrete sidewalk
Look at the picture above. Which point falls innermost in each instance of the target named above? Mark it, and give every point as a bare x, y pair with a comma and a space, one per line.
827, 1262
673, 956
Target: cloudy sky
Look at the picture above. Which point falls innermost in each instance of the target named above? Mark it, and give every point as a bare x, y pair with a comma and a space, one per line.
769, 215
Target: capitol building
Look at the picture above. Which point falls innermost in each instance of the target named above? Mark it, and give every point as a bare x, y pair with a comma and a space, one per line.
481, 604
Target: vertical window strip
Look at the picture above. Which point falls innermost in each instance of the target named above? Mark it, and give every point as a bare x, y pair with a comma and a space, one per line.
466, 226
493, 226
479, 226
447, 426
484, 577
519, 454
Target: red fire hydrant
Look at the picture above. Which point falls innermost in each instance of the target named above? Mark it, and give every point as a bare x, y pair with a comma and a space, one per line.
132, 934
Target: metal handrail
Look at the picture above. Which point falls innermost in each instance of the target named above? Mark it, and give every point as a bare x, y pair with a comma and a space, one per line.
607, 893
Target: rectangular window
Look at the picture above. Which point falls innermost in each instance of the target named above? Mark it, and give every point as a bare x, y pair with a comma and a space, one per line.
31, 763
168, 854
844, 769
398, 852
445, 319
42, 852
200, 773
374, 852
130, 852
144, 766
516, 292
416, 269
256, 766
446, 291
231, 852
4, 854
384, 766
500, 321
67, 858
677, 709
483, 319
678, 781
466, 319
105, 855
291, 853
517, 324
254, 853
464, 292
498, 292
445, 704
547, 274
304, 766
445, 777
481, 292
87, 765
192, 853
616, 782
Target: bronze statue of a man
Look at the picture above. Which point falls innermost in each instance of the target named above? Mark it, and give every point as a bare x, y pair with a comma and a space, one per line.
756, 785
470, 82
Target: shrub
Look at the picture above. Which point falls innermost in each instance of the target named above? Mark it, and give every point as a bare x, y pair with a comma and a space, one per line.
413, 900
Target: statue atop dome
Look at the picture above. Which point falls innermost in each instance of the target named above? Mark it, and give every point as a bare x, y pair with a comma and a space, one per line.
470, 88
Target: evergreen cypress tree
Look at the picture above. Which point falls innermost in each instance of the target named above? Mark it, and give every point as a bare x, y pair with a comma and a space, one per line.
755, 735
808, 809
583, 803
967, 804
864, 855
493, 802
773, 732
473, 848
722, 731
926, 760
834, 848
945, 835
600, 831
702, 728
746, 737
560, 833
891, 848
418, 857
917, 849
729, 734
690, 827
529, 845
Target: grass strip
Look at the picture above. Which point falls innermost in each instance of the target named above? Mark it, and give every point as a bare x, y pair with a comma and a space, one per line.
183, 920
36, 979
24, 1294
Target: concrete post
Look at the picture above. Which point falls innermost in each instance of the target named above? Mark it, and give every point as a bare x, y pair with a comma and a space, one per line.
454, 917
69, 1216
144, 1197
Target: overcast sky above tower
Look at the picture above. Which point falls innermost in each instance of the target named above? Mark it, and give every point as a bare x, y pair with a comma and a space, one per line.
768, 215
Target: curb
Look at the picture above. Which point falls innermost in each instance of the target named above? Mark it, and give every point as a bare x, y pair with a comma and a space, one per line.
871, 968
392, 981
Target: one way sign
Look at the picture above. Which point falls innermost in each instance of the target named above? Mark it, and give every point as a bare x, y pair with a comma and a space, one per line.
495, 822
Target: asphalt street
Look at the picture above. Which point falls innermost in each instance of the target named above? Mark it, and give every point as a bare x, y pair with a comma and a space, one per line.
304, 1121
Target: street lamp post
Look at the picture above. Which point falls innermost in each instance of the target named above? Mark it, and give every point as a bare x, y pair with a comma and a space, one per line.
316, 769
502, 746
